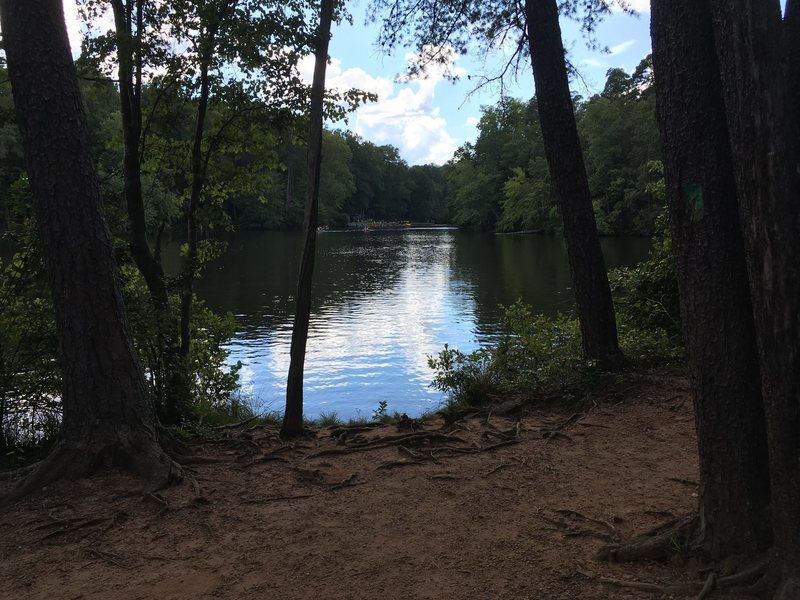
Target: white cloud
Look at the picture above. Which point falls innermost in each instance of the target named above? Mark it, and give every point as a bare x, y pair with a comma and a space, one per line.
620, 48
73, 25
640, 5
405, 115
472, 121
593, 62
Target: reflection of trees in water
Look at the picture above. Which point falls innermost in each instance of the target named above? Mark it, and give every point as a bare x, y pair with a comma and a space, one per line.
499, 269
256, 278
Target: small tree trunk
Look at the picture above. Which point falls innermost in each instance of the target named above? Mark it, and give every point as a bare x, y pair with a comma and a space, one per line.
751, 42
293, 417
107, 416
716, 310
175, 393
571, 186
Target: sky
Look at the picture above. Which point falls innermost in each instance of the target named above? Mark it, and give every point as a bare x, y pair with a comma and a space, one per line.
429, 118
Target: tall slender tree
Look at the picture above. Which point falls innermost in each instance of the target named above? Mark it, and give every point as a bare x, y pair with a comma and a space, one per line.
108, 418
571, 185
440, 27
293, 417
131, 19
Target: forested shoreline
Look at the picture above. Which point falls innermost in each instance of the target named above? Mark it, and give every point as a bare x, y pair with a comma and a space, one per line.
189, 118
498, 183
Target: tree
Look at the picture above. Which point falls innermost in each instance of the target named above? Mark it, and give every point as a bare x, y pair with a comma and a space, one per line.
293, 417
137, 44
440, 27
107, 416
571, 185
760, 72
716, 310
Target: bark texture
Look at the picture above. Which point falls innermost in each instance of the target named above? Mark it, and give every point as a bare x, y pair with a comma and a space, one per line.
293, 417
752, 41
571, 185
108, 419
709, 253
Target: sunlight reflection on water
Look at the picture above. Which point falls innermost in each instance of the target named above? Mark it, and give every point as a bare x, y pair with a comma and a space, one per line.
384, 301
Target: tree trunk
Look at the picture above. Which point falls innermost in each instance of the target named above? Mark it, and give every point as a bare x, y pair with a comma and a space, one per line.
716, 310
752, 44
293, 417
174, 395
208, 47
107, 416
571, 186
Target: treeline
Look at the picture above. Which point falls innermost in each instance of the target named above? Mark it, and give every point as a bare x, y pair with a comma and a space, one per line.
498, 183
359, 181
257, 176
501, 182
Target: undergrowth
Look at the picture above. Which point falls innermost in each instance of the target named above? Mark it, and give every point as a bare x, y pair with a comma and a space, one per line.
538, 356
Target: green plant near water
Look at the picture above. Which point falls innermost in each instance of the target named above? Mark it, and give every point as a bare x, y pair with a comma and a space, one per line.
381, 414
535, 355
330, 419
538, 356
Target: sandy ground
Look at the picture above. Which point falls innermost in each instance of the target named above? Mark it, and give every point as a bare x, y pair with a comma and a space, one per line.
487, 508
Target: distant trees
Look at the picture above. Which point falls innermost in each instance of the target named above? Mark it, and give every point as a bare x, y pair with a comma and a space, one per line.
107, 415
502, 182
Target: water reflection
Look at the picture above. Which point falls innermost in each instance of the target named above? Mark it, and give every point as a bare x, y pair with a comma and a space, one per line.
383, 301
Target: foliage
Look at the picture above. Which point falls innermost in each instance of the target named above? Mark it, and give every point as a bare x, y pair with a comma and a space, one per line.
620, 141
501, 182
537, 356
213, 382
646, 296
29, 371
381, 414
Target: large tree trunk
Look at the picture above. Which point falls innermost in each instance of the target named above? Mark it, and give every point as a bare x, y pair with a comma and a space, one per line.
293, 417
571, 186
172, 383
712, 280
759, 98
107, 416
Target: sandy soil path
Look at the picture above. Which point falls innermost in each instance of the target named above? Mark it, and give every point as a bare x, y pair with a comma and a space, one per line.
431, 517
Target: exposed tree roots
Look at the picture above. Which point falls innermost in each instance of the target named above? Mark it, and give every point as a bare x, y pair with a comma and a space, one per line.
701, 589
657, 544
139, 454
680, 535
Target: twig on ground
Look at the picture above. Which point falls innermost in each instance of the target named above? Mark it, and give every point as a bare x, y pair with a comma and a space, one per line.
107, 556
688, 482
709, 586
235, 425
76, 527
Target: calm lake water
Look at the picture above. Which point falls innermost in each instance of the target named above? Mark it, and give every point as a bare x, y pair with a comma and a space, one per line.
384, 300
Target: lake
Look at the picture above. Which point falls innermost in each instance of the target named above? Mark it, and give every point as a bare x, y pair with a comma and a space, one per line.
384, 300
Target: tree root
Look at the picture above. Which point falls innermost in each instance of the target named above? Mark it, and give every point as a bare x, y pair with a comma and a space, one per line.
416, 438
136, 453
685, 588
235, 425
16, 473
702, 589
657, 544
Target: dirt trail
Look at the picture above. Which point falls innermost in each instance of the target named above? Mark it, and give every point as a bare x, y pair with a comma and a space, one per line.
436, 518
